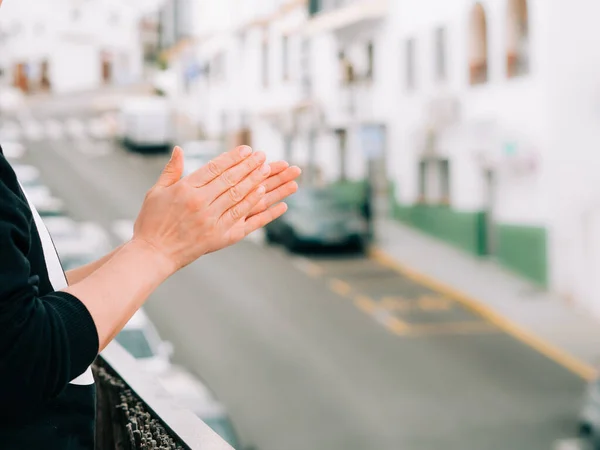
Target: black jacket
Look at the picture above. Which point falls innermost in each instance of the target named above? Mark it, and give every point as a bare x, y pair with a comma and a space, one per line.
48, 339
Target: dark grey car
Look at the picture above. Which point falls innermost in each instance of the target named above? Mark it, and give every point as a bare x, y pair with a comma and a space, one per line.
317, 217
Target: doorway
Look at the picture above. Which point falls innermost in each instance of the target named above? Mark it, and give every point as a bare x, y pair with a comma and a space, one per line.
107, 69
21, 80
491, 181
45, 76
342, 139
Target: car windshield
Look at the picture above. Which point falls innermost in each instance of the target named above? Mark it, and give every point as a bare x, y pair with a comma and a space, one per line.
223, 427
319, 202
135, 342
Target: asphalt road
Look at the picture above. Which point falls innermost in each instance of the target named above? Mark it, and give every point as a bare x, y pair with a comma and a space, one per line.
325, 352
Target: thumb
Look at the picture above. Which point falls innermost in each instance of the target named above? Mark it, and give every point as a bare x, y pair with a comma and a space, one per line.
173, 171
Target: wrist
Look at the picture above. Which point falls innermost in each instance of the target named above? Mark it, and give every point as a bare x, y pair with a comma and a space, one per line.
153, 256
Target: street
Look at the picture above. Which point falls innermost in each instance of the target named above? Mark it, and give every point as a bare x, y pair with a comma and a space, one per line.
321, 351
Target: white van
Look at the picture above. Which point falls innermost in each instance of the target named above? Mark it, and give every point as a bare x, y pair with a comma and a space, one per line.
147, 123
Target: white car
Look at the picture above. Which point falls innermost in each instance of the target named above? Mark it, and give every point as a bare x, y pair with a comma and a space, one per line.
29, 178
141, 339
589, 420
10, 131
38, 193
77, 243
198, 153
190, 393
11, 99
13, 150
75, 128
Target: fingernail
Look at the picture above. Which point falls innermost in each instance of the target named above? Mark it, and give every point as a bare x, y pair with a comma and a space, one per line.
264, 169
245, 151
261, 190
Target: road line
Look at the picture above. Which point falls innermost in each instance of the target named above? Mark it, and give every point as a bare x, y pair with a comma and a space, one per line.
397, 326
552, 352
340, 287
365, 304
459, 328
307, 266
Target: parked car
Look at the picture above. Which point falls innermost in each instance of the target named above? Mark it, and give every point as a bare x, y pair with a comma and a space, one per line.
13, 150
37, 192
191, 393
589, 421
146, 123
141, 339
198, 153
317, 217
77, 243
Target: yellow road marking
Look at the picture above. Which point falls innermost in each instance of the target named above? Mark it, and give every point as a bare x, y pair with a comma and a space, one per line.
398, 326
556, 354
365, 304
434, 303
314, 270
452, 328
340, 287
396, 303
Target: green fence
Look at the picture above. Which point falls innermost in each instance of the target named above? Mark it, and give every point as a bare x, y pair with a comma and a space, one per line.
465, 230
523, 249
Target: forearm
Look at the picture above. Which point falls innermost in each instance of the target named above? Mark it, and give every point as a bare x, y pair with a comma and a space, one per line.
118, 288
76, 275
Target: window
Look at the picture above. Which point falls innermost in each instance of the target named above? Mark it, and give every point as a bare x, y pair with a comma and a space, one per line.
434, 181
517, 56
346, 69
444, 183
370, 60
440, 54
285, 58
410, 64
422, 181
478, 51
265, 64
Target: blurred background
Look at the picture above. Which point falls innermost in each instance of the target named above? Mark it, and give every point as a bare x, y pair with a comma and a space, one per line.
435, 283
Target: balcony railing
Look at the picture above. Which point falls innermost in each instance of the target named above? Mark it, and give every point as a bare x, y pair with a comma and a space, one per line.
135, 413
338, 14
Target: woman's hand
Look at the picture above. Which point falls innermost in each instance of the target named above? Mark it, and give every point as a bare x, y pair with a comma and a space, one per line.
214, 207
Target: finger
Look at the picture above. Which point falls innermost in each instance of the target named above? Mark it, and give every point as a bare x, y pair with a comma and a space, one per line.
239, 191
230, 179
218, 166
260, 220
278, 167
172, 172
274, 196
279, 179
240, 210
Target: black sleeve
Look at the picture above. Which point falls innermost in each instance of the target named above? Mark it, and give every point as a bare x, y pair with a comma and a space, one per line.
45, 341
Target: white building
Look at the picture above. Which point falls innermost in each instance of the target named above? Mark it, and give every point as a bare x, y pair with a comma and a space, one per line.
71, 45
482, 115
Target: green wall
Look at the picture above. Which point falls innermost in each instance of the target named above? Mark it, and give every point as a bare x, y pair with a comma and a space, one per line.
465, 230
523, 249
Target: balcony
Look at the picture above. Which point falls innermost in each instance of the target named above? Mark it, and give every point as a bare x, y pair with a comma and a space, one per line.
331, 15
135, 413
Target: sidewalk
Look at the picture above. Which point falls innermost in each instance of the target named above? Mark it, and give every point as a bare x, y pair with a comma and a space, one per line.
540, 319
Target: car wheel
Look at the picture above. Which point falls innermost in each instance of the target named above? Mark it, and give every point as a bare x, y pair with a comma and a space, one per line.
291, 242
270, 237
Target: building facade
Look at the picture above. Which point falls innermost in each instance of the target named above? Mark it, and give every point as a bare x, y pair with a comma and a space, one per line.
71, 46
477, 118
